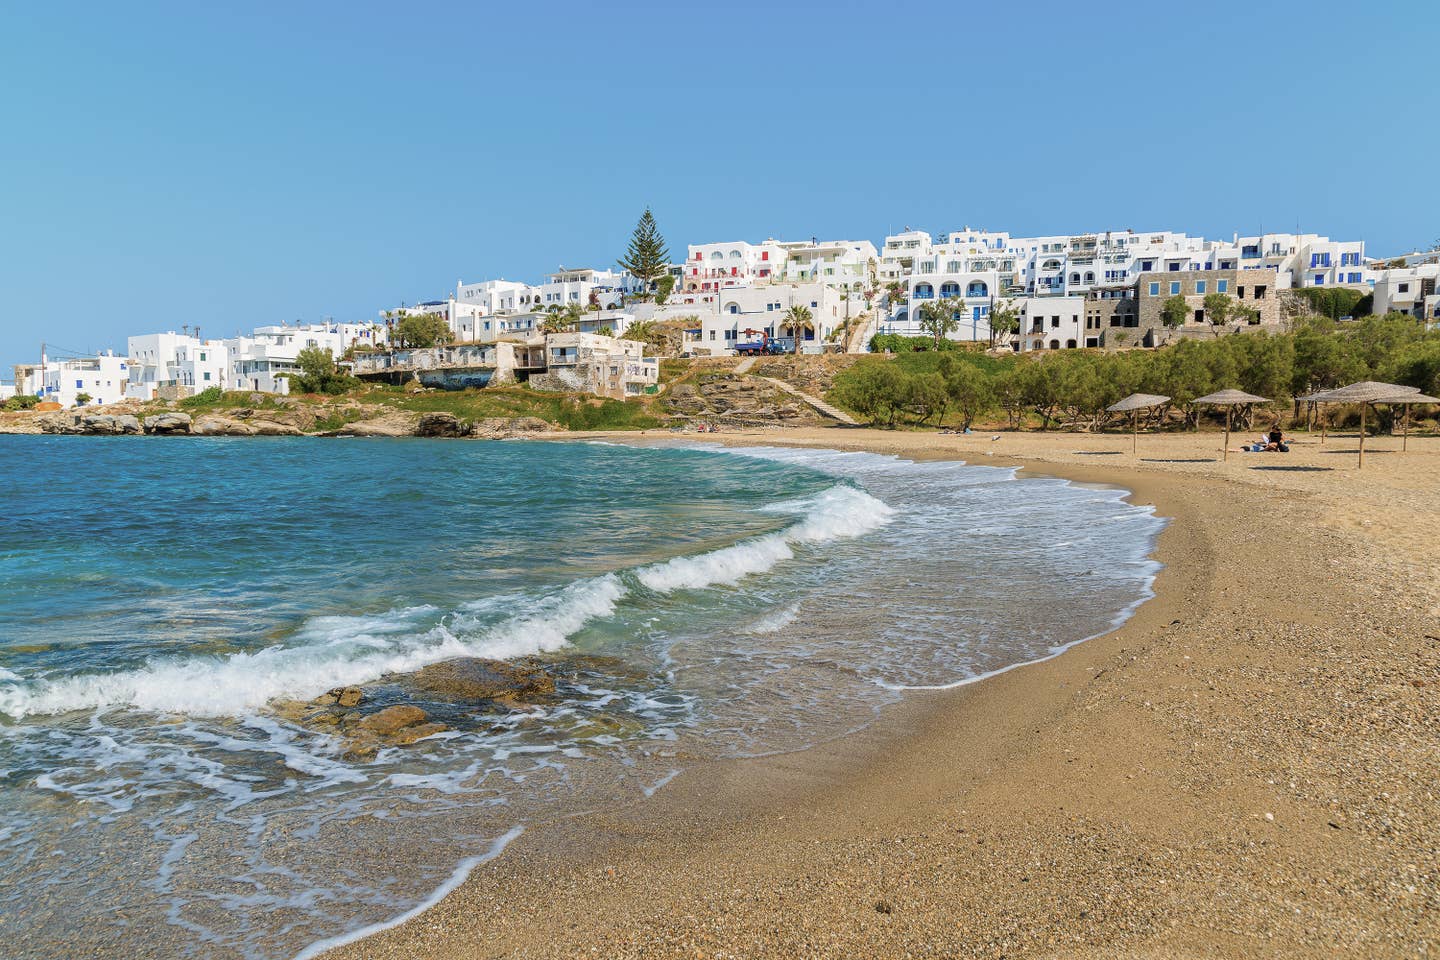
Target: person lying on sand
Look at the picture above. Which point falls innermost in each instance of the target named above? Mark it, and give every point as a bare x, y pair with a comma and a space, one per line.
1272, 442
1276, 442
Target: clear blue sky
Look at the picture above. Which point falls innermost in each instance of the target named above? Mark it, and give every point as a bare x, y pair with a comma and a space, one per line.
232, 165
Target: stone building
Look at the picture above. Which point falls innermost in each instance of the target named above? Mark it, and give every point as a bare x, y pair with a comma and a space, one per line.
1113, 321
1255, 289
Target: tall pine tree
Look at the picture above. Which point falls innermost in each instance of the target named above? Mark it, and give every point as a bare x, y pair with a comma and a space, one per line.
647, 257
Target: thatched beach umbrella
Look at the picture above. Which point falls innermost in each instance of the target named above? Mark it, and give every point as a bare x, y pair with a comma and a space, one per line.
1231, 399
1312, 404
1405, 399
1133, 404
1365, 393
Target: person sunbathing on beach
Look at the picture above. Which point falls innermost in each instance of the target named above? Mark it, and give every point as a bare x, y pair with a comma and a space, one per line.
1275, 442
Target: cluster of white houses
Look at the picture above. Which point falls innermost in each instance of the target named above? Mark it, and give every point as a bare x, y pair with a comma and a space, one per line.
1099, 289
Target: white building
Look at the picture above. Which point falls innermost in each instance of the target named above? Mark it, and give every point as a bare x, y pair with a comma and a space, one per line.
898, 255
468, 322
1409, 290
7, 390
1299, 259
747, 312
174, 365
845, 264
101, 378
584, 287
496, 296
717, 266
264, 360
1049, 323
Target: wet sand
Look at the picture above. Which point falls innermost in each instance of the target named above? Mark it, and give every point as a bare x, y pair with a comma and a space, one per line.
1248, 767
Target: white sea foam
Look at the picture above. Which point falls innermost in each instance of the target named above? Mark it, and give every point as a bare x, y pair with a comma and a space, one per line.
7, 675
440, 893
776, 620
840, 511
335, 651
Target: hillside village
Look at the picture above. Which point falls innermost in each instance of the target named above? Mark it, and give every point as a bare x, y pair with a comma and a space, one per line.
603, 332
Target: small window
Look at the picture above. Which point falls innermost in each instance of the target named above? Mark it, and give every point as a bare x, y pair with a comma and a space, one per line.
1199, 286
1174, 287
1154, 289
1222, 286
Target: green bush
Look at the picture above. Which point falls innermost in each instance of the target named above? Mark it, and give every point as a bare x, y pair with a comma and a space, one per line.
1332, 302
21, 401
1075, 386
319, 374
205, 398
895, 343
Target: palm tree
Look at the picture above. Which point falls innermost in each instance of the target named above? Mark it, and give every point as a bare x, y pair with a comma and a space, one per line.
798, 317
560, 320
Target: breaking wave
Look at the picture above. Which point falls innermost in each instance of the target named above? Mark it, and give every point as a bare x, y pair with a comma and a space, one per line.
338, 651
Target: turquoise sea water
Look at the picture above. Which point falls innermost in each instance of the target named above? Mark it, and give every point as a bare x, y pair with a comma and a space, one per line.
160, 597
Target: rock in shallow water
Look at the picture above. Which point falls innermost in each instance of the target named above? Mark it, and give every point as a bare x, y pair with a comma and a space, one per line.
393, 719
473, 678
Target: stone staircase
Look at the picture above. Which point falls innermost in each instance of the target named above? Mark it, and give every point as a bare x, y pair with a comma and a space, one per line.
860, 334
834, 413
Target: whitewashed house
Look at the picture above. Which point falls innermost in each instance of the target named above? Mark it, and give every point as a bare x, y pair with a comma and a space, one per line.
748, 312
172, 365
102, 378
264, 360
1049, 323
1411, 290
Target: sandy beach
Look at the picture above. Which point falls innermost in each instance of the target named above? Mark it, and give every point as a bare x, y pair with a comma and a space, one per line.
1247, 767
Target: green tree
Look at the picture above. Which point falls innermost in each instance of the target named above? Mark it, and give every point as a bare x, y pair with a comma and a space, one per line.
82, 398
1004, 321
647, 258
419, 330
939, 318
876, 390
1217, 311
969, 388
319, 374
663, 288
926, 396
1174, 312
798, 317
1041, 386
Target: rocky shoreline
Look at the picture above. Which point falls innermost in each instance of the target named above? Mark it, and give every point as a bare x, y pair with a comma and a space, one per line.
246, 422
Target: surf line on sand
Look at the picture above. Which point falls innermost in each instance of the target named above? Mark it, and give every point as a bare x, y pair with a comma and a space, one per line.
462, 871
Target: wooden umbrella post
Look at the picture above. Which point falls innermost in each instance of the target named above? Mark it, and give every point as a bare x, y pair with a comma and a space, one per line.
1405, 436
1361, 462
1135, 443
1225, 450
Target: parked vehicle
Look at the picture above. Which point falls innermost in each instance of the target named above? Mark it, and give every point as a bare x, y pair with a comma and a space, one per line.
765, 346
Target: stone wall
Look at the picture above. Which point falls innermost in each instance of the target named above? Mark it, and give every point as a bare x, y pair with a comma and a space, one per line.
1251, 288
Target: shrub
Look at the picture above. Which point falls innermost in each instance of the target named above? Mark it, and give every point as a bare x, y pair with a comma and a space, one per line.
21, 401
